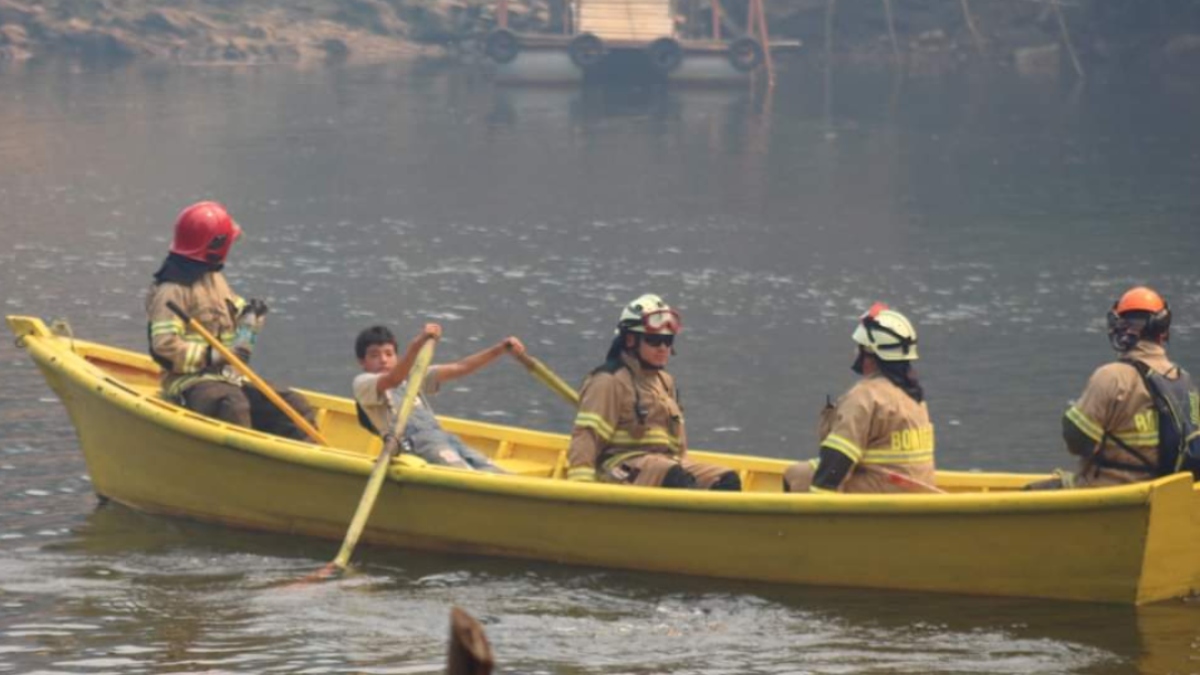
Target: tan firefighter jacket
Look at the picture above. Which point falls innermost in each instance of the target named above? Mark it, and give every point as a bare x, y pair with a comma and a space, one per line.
623, 414
878, 426
1116, 401
183, 354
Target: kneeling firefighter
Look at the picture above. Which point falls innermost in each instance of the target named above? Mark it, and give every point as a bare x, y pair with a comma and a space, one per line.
878, 437
630, 426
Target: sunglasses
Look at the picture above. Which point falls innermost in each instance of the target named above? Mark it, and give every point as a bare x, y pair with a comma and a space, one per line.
659, 340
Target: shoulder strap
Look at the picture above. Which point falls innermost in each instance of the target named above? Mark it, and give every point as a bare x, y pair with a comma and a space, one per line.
365, 420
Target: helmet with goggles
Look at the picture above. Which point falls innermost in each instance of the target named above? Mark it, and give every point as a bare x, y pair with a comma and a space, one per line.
649, 314
1140, 313
887, 334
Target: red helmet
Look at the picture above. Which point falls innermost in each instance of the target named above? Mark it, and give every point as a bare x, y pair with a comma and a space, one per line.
204, 232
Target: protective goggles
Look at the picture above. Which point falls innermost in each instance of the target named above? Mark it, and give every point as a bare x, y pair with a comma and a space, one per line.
662, 321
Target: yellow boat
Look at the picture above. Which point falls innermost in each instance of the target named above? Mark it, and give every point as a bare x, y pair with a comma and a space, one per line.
1134, 544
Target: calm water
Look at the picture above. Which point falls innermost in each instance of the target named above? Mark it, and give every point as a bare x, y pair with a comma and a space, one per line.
1003, 216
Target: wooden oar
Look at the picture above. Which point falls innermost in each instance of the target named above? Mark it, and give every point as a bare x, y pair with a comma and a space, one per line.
901, 480
391, 444
240, 366
548, 378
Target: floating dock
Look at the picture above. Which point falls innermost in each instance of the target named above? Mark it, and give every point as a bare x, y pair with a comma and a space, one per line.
637, 40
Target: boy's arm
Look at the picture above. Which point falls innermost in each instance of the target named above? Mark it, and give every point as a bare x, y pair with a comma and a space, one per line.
467, 365
399, 373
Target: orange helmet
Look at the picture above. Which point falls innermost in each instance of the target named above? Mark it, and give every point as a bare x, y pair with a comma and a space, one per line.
1139, 313
1140, 299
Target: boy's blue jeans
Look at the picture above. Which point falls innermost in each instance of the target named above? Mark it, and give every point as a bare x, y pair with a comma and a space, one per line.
426, 439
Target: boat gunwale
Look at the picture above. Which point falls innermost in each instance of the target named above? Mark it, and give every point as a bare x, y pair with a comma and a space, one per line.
66, 356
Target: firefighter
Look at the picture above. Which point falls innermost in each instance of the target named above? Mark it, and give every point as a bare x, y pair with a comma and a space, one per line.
878, 437
1116, 428
195, 375
630, 426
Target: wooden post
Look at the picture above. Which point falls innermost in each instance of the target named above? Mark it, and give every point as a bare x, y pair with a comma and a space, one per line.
1066, 35
716, 19
830, 9
765, 38
502, 14
966, 8
891, 26
469, 652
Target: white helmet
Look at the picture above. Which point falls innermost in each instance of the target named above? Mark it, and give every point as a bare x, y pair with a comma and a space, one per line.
887, 334
649, 314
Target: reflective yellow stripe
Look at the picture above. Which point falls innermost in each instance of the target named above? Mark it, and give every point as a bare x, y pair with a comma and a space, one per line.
1087, 425
182, 383
1194, 399
843, 445
1138, 438
652, 437
166, 327
889, 457
599, 425
814, 488
194, 358
616, 459
582, 473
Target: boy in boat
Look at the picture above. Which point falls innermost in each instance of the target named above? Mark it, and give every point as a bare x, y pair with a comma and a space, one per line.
195, 375
1121, 431
878, 437
377, 396
629, 428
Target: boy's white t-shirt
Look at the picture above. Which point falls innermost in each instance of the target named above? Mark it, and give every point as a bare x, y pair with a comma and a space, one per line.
380, 407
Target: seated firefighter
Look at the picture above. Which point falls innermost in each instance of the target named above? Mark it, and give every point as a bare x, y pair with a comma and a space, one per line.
878, 437
194, 374
630, 427
1138, 417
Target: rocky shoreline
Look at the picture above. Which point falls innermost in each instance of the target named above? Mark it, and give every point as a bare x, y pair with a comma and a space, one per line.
1030, 36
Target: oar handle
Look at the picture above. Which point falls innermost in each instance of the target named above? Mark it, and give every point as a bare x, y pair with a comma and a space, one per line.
548, 377
904, 481
240, 366
416, 380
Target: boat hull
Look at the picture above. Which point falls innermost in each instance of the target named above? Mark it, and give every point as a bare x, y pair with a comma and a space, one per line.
1133, 544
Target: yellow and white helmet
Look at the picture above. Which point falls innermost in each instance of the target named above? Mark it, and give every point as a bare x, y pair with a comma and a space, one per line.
650, 314
887, 334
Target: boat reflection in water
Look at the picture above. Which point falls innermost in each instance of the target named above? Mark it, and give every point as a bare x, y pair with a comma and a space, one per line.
721, 121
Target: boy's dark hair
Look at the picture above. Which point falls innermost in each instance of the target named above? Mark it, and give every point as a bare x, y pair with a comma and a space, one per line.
375, 335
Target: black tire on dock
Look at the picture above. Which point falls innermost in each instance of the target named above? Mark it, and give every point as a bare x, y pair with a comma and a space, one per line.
586, 51
502, 45
745, 54
666, 54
